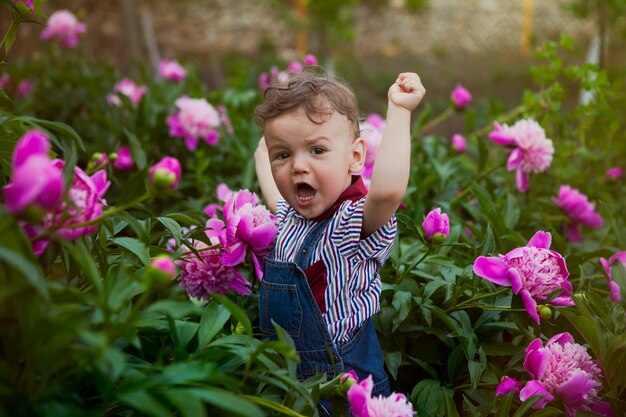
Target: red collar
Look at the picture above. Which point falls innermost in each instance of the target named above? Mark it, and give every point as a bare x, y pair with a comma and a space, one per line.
355, 191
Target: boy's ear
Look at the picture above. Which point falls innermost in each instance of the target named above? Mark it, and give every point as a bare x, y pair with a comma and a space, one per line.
358, 155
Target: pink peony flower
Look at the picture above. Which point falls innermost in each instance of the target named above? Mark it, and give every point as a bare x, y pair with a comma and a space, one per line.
247, 223
195, 119
165, 174
172, 70
459, 144
579, 210
64, 27
28, 3
372, 130
86, 201
563, 369
206, 274
128, 88
124, 159
614, 173
37, 182
532, 151
460, 97
533, 271
436, 226
362, 404
614, 288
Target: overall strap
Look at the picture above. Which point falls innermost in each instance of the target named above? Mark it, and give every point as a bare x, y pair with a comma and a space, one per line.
305, 250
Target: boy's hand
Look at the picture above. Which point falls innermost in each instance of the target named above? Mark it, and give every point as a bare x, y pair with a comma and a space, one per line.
261, 150
407, 92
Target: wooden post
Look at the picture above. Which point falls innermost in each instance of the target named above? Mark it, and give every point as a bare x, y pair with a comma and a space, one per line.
528, 7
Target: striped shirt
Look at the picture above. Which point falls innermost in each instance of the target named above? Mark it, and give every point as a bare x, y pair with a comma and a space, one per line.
352, 291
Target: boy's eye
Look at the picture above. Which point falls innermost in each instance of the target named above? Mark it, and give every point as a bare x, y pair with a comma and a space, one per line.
282, 155
318, 150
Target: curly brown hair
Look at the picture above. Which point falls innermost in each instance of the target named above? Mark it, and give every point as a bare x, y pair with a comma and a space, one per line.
314, 90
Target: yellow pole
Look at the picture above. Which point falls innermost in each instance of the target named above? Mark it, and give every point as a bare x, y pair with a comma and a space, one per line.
527, 26
302, 40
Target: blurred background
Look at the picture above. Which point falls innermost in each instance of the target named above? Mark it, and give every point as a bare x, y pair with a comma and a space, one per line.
485, 45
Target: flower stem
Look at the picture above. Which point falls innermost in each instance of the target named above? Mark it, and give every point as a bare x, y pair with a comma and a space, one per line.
419, 261
479, 297
438, 119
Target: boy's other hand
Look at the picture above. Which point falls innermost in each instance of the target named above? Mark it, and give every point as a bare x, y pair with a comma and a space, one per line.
407, 92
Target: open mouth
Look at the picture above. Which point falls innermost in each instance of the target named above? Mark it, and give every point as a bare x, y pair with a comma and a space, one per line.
305, 192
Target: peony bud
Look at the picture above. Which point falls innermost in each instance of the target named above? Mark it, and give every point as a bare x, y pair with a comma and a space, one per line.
97, 161
614, 173
459, 144
544, 312
123, 160
460, 97
347, 380
165, 174
436, 226
161, 271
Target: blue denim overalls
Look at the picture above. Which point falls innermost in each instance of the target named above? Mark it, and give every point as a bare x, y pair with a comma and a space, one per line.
286, 298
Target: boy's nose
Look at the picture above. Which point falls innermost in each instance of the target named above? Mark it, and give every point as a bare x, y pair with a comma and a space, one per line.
299, 165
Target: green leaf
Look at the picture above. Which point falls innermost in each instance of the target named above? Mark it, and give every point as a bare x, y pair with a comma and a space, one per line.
228, 401
135, 246
173, 227
188, 404
211, 323
489, 243
526, 405
236, 311
145, 402
57, 127
185, 331
31, 273
428, 398
511, 211
505, 405
272, 406
136, 148
393, 360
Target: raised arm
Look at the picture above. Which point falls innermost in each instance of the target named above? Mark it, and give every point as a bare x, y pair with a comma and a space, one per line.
391, 168
264, 175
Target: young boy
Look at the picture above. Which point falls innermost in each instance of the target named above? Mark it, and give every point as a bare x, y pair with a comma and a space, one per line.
321, 282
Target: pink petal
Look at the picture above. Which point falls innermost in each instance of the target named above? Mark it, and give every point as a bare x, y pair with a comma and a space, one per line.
234, 254
507, 385
492, 269
563, 300
530, 305
515, 279
561, 339
601, 408
573, 233
541, 240
522, 180
536, 362
573, 391
535, 388
359, 395
515, 157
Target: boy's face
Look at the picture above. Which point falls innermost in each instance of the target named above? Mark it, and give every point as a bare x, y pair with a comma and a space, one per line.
312, 164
